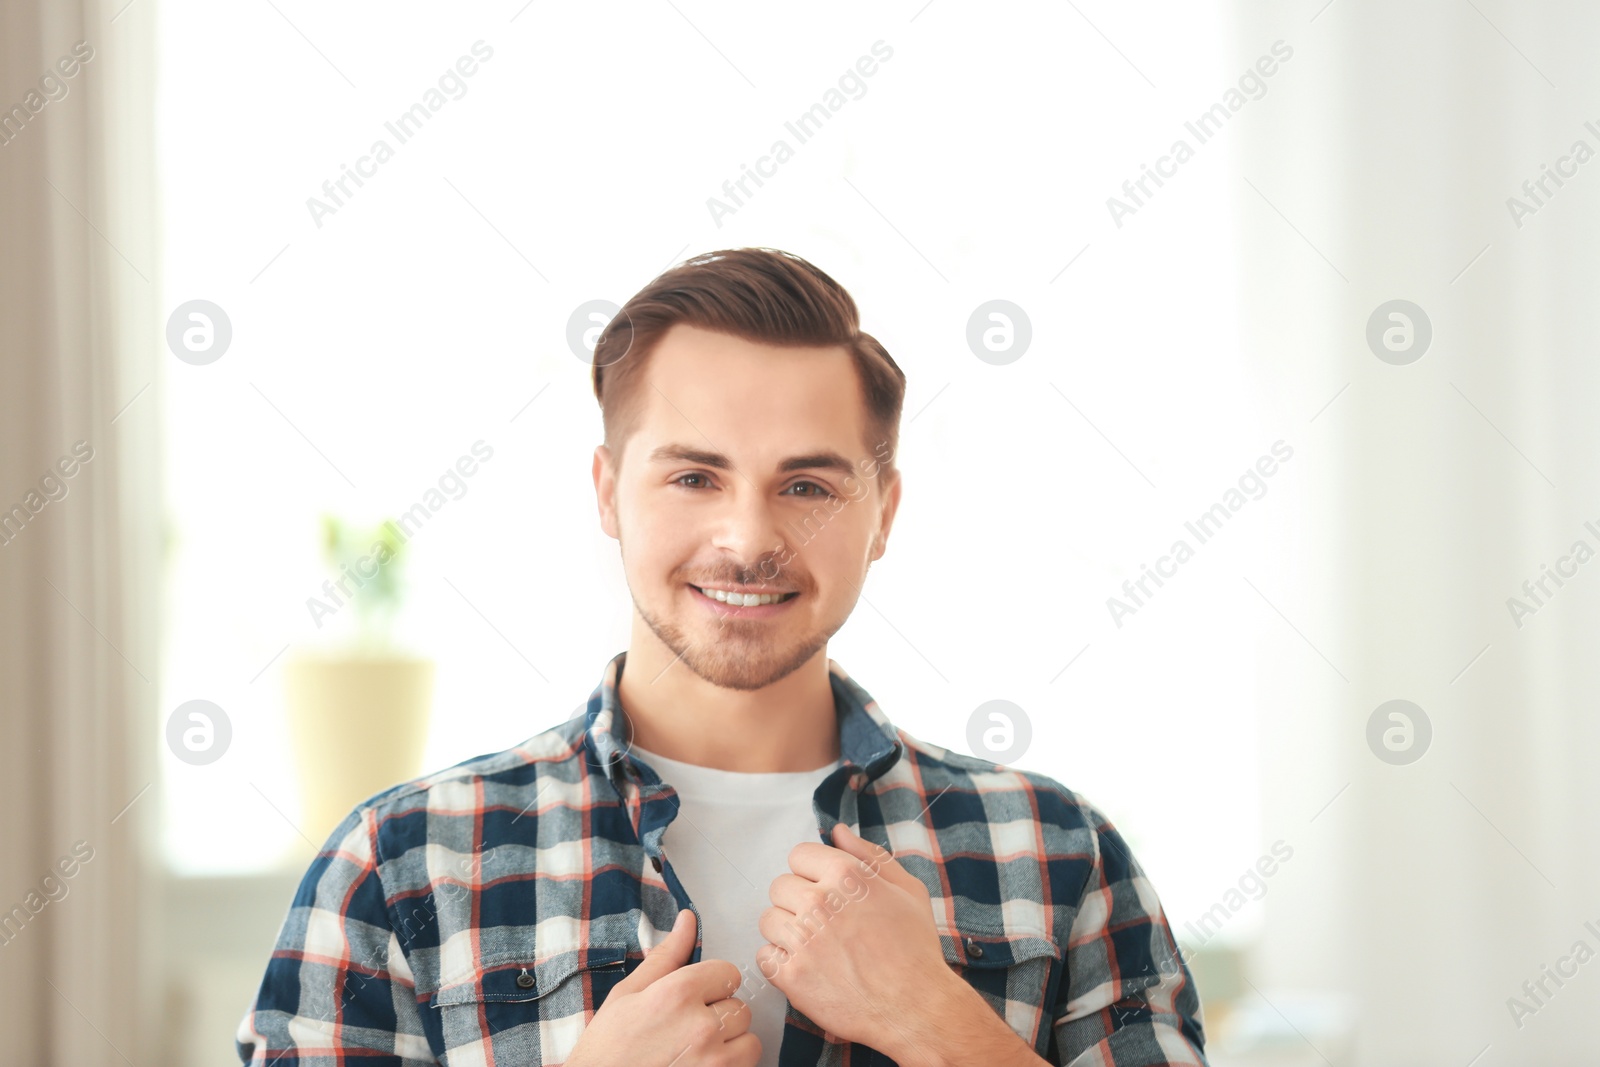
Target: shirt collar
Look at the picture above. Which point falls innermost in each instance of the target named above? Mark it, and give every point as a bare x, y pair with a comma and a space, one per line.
867, 739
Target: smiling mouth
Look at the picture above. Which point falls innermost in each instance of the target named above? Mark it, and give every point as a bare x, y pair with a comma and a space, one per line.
743, 600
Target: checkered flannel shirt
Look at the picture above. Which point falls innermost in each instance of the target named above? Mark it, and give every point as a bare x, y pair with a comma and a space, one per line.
480, 915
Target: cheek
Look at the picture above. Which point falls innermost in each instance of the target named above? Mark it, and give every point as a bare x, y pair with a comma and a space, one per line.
657, 541
834, 553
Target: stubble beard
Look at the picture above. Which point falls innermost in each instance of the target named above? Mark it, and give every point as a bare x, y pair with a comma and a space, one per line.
736, 653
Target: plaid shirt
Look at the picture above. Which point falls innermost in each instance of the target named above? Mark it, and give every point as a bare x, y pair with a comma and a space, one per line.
480, 915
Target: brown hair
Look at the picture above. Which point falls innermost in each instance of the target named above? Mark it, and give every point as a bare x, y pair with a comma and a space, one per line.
762, 295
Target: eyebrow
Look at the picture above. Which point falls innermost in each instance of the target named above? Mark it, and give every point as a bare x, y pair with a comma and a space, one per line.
824, 460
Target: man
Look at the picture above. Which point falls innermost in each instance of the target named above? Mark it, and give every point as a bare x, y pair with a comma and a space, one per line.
731, 856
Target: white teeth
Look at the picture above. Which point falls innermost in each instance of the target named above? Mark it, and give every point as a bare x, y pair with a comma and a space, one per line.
743, 600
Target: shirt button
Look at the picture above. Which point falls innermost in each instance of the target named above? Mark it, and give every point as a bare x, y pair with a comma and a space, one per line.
974, 949
655, 861
525, 980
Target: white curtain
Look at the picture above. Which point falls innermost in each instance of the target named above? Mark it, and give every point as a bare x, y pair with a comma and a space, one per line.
1379, 168
78, 635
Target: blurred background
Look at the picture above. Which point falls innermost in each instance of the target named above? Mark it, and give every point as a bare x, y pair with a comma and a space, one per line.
1248, 448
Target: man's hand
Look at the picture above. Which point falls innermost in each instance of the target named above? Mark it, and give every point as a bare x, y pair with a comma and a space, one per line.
668, 1013
852, 943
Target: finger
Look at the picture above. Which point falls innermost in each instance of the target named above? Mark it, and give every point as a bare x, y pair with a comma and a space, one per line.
771, 959
744, 1050
796, 894
818, 862
879, 860
783, 890
813, 860
666, 956
786, 930
733, 1017
711, 980
849, 841
832, 865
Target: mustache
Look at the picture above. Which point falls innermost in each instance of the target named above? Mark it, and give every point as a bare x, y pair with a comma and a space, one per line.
772, 577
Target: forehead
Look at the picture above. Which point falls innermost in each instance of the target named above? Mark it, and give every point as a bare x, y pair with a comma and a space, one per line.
745, 397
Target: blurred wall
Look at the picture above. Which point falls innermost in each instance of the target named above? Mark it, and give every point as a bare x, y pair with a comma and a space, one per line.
1431, 883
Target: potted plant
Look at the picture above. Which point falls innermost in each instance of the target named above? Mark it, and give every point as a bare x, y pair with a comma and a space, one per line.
358, 706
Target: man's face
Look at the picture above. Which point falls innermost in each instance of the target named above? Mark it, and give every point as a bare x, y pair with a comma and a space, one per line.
748, 467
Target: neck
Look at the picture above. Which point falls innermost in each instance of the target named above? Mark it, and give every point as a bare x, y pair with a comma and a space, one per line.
787, 726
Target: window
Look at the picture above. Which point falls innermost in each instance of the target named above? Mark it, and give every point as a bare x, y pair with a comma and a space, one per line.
390, 308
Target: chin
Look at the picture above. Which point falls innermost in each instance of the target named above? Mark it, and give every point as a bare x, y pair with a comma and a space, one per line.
737, 656
746, 664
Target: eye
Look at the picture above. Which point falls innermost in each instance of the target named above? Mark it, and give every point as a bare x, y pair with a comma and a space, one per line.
819, 489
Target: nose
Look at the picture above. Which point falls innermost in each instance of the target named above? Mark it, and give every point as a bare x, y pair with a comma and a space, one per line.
748, 528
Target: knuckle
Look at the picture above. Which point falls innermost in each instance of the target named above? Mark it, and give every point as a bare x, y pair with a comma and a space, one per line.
797, 965
704, 1029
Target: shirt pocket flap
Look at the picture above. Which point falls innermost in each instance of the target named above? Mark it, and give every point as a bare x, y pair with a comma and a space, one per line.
1016, 973
988, 949
528, 975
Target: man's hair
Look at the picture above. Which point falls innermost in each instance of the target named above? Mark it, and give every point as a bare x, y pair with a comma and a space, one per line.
762, 295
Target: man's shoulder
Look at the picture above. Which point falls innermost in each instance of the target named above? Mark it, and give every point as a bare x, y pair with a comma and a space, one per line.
1019, 850
1009, 791
486, 783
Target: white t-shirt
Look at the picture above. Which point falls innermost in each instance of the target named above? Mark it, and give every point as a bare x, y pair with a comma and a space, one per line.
731, 837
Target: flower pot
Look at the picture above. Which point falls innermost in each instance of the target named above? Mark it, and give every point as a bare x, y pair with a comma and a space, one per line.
358, 724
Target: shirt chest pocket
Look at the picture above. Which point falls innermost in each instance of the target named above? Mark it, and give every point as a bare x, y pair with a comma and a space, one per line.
526, 1003
1016, 973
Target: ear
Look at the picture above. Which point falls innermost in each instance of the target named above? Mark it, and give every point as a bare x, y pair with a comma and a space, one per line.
891, 504
605, 491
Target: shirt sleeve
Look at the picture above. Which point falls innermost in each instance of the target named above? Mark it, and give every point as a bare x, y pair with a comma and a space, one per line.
337, 988
1127, 999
